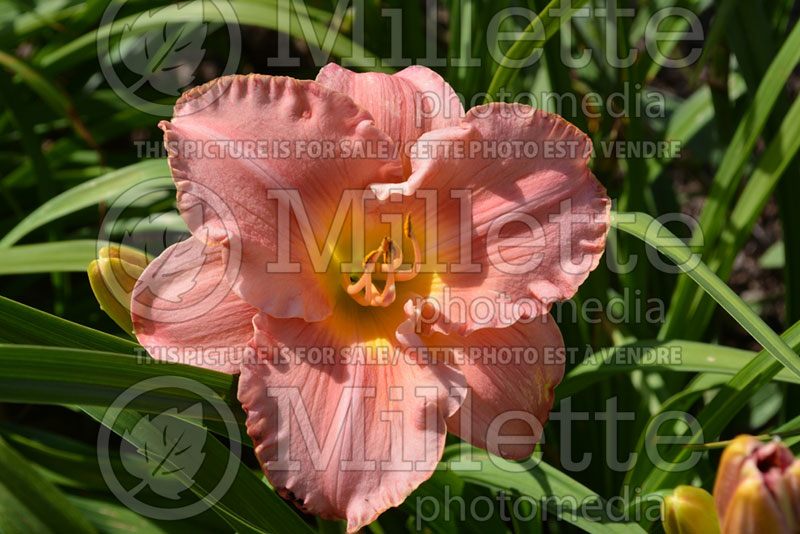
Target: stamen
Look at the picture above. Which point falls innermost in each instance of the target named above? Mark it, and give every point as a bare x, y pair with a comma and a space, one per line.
388, 294
372, 257
394, 255
408, 230
391, 258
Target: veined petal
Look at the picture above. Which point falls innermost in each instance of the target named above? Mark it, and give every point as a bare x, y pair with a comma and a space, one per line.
729, 473
753, 510
773, 462
511, 373
236, 143
184, 310
340, 436
405, 104
521, 219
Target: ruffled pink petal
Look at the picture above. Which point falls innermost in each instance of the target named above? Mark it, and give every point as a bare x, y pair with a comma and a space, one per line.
405, 105
511, 373
183, 309
236, 141
344, 439
521, 219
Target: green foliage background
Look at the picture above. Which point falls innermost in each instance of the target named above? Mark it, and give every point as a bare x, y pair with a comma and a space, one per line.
67, 149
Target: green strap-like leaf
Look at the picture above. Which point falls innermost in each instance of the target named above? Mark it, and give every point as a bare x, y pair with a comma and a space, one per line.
534, 36
779, 154
24, 325
110, 517
87, 194
268, 14
654, 355
715, 416
248, 505
562, 495
654, 234
62, 460
60, 256
727, 177
39, 497
723, 12
57, 375
745, 137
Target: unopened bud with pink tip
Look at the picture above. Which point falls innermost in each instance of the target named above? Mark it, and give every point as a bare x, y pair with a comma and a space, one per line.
757, 489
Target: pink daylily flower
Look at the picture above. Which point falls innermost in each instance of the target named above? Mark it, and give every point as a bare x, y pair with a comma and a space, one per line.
463, 250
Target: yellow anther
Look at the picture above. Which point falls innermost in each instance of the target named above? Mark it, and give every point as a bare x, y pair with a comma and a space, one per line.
407, 230
371, 257
391, 257
403, 276
386, 249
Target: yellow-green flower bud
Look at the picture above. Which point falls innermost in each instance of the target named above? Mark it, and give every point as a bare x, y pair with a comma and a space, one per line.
689, 510
112, 277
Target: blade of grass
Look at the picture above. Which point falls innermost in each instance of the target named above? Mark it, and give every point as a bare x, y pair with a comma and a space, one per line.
89, 193
13, 521
30, 18
30, 142
248, 505
56, 375
264, 15
724, 11
679, 402
650, 67
754, 47
28, 326
441, 483
54, 97
38, 83
62, 460
547, 485
716, 415
110, 517
726, 179
674, 356
654, 234
690, 117
60, 256
534, 36
776, 159
23, 325
39, 497
718, 75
